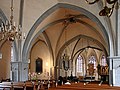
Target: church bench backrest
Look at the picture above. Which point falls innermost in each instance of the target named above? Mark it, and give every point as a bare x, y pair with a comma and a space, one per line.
18, 85
4, 85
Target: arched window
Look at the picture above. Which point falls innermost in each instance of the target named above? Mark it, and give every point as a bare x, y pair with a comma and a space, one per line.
92, 60
103, 61
79, 64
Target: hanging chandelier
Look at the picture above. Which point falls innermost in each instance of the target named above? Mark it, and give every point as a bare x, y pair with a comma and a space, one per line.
65, 57
106, 11
9, 30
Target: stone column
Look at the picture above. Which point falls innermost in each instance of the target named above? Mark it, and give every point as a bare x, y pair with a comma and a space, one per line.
19, 68
110, 71
118, 27
114, 71
19, 71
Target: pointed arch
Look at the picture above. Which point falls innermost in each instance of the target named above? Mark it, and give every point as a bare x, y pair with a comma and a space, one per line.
26, 46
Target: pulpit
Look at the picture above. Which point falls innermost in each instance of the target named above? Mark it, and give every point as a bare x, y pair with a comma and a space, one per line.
104, 73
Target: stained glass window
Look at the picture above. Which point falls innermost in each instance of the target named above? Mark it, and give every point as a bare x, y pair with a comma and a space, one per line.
103, 61
79, 64
92, 60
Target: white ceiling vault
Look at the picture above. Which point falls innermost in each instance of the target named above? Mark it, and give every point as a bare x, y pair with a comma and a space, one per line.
80, 30
49, 20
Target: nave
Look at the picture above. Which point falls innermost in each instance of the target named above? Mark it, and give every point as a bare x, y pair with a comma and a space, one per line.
58, 38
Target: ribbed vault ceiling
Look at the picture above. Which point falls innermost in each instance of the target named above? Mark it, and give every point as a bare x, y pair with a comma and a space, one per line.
65, 24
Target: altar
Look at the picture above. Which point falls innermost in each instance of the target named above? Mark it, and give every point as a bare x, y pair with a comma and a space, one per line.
90, 72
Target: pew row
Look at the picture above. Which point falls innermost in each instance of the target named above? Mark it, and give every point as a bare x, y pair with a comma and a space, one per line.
28, 85
81, 86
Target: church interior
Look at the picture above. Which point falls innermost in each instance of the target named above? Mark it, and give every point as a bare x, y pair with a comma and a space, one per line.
59, 44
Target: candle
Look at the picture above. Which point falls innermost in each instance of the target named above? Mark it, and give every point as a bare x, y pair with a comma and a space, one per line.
14, 24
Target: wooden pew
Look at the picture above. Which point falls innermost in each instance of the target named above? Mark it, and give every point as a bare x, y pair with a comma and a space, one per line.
6, 85
34, 85
29, 85
81, 86
52, 83
18, 85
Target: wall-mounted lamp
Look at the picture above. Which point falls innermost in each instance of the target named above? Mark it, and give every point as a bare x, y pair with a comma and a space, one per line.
0, 55
46, 64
